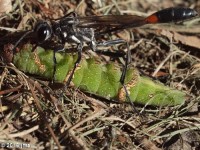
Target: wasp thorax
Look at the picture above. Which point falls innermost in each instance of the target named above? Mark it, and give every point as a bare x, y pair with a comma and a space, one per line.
56, 28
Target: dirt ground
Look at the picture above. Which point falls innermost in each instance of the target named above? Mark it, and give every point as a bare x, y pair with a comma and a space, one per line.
34, 115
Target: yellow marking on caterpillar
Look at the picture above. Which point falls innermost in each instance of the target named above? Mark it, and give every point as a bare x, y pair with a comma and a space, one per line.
38, 62
133, 82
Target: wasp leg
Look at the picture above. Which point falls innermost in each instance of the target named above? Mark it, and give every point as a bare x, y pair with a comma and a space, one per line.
111, 42
122, 78
125, 66
72, 14
79, 48
21, 38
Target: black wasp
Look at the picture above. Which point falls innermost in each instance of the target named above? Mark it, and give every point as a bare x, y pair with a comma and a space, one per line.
76, 29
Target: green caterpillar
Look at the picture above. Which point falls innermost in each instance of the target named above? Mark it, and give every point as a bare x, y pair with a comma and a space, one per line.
96, 77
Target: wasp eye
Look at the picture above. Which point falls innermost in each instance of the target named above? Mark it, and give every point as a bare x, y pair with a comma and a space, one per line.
43, 32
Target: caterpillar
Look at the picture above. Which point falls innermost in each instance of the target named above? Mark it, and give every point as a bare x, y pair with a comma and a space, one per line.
96, 77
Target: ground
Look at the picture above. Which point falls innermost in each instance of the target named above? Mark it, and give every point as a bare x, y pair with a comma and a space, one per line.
36, 113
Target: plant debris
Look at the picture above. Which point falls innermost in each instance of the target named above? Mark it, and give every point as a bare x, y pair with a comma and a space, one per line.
37, 114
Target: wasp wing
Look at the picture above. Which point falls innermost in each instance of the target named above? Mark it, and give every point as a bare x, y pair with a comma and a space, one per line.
109, 23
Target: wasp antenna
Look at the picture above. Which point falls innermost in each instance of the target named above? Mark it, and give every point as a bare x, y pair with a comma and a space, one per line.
21, 38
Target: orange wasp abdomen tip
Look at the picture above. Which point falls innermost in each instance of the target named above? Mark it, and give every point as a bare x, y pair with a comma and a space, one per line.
172, 14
